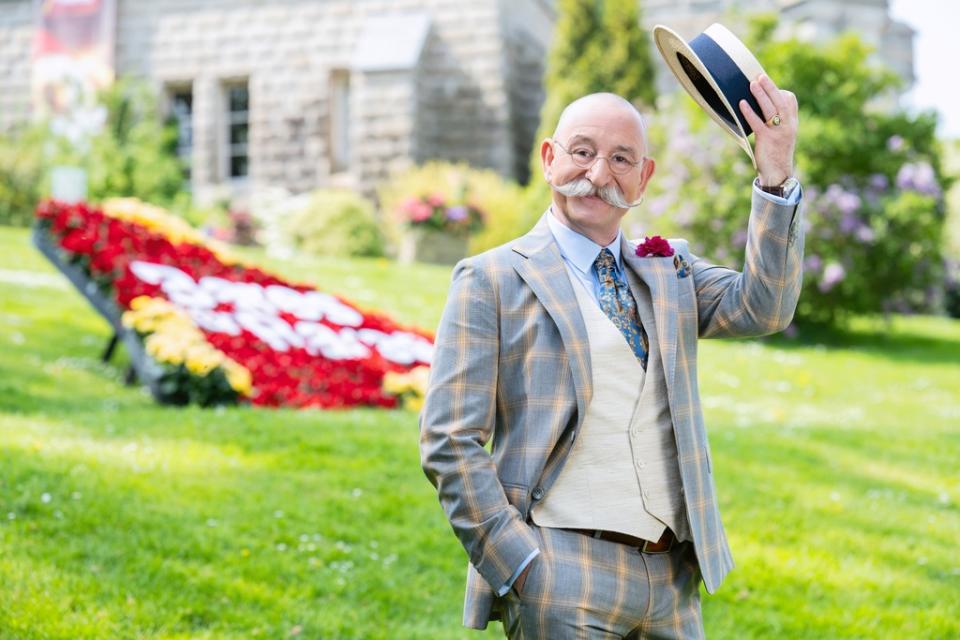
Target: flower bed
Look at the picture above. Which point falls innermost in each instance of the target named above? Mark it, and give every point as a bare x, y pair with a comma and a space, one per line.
437, 230
436, 213
211, 330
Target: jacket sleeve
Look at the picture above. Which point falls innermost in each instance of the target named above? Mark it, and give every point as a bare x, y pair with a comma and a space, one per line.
761, 299
458, 419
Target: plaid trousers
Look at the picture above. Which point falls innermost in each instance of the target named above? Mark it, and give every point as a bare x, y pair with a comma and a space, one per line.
583, 587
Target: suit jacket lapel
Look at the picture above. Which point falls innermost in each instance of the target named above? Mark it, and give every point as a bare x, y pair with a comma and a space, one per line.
546, 275
660, 276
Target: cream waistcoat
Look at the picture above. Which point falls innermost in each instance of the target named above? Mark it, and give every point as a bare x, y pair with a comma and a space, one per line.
622, 473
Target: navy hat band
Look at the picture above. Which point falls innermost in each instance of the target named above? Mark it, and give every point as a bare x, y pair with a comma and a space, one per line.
729, 78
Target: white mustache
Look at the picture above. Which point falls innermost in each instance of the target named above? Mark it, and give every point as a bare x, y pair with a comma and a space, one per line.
582, 188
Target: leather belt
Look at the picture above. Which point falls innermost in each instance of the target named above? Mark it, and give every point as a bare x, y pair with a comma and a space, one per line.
663, 545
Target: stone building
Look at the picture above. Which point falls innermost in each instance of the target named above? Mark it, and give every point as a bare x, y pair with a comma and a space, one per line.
312, 93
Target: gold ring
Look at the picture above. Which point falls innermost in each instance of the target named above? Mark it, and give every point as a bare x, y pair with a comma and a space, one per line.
775, 120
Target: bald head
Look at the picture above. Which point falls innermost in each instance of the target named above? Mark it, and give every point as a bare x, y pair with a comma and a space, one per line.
596, 165
601, 108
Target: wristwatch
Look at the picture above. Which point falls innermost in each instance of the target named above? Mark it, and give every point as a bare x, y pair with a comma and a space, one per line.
782, 190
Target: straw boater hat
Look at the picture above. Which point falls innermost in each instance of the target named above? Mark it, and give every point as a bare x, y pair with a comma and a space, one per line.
716, 69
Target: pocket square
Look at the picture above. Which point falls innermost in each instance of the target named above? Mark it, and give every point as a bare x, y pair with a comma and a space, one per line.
681, 265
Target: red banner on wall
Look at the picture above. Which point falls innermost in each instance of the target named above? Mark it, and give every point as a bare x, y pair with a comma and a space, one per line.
72, 61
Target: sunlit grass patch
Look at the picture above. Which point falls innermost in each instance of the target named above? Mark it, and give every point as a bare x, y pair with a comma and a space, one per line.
835, 458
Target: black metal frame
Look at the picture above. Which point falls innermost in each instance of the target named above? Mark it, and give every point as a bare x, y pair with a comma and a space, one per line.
142, 366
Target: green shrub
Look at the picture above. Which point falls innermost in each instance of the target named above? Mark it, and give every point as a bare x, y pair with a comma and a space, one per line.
21, 177
135, 153
335, 222
597, 47
500, 200
133, 156
873, 205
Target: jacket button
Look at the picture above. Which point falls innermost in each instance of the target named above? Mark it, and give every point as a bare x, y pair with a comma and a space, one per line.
537, 493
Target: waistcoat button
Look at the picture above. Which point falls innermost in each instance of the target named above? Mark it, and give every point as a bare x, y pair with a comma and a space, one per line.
537, 493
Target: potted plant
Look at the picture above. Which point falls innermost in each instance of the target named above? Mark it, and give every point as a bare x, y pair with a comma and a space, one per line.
437, 230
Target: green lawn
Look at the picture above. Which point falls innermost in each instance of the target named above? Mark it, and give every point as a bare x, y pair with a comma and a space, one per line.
836, 461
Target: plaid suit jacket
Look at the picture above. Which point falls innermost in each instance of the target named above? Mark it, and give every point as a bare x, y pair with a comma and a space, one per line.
511, 368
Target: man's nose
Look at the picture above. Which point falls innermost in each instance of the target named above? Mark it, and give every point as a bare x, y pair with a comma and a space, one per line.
599, 172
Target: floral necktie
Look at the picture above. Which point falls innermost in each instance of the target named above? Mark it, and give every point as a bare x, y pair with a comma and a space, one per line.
618, 303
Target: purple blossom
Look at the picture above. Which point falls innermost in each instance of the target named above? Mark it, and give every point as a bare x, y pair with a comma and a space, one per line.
865, 234
739, 239
833, 273
919, 177
833, 193
895, 143
684, 214
457, 213
849, 202
878, 182
849, 223
658, 206
812, 262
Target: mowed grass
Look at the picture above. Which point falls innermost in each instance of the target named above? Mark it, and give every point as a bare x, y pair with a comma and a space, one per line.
836, 459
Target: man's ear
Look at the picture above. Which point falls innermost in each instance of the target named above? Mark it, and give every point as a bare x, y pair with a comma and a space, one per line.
646, 172
546, 157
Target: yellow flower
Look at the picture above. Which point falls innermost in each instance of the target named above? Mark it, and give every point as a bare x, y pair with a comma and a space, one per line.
201, 358
173, 338
199, 366
410, 386
239, 377
161, 221
413, 403
161, 349
394, 383
140, 302
419, 379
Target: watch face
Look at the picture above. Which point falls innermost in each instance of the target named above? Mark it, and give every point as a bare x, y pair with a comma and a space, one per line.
788, 186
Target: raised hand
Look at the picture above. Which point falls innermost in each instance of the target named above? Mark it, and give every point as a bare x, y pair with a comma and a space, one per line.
775, 134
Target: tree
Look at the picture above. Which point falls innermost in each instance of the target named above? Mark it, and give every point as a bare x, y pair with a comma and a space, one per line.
133, 155
874, 186
136, 153
598, 46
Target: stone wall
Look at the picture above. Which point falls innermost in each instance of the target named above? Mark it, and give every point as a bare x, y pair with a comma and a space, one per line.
16, 40
473, 94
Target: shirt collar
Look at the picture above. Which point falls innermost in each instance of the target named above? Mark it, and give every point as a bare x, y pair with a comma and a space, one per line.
580, 250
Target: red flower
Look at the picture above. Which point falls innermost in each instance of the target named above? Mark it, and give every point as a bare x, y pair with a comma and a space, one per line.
294, 377
105, 260
79, 241
655, 246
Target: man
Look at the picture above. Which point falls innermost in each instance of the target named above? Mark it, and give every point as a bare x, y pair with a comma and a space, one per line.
594, 514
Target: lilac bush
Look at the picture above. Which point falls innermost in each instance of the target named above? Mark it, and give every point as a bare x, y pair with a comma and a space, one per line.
873, 200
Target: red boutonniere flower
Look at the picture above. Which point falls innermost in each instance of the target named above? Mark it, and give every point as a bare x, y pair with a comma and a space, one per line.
655, 246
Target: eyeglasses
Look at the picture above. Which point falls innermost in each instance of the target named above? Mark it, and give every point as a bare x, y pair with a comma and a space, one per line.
584, 157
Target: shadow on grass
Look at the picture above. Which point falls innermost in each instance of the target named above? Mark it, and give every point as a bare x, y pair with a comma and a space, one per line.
874, 516
875, 337
841, 541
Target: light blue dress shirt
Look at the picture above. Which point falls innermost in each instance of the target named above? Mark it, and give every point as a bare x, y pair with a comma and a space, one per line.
579, 253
